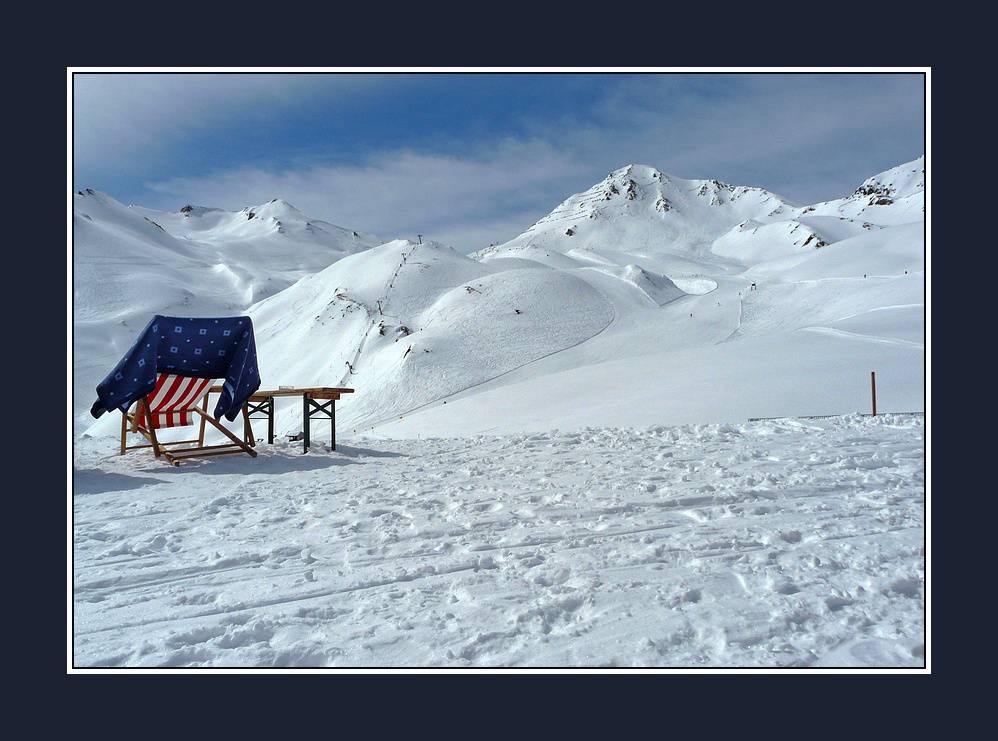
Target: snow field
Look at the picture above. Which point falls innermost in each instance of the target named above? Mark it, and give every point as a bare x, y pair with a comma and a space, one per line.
780, 543
454, 526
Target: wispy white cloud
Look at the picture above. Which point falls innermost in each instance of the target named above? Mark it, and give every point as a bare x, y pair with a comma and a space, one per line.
466, 202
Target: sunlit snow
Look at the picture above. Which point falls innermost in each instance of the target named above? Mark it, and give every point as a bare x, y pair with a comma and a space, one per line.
637, 435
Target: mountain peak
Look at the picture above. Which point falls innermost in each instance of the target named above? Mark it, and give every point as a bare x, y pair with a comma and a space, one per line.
276, 209
891, 185
190, 210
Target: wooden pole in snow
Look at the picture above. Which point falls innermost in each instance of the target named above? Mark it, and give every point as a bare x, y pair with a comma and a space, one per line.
873, 389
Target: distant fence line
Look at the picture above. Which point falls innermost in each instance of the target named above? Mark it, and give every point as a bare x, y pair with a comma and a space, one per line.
826, 416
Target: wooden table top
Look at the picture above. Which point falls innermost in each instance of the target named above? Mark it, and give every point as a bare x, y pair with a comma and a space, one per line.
316, 392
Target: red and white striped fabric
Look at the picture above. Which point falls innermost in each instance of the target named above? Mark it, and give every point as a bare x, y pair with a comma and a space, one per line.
174, 397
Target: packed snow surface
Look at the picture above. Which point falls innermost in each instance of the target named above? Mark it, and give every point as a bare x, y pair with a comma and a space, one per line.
632, 436
779, 543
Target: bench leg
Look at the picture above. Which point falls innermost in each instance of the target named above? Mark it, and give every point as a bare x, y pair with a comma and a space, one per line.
305, 420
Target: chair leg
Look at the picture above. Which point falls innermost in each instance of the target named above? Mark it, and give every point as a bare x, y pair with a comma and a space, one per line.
150, 426
244, 446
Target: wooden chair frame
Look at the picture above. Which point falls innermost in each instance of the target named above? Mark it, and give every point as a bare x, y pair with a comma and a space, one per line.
139, 420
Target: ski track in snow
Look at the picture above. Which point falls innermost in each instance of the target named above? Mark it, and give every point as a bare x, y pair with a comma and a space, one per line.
779, 543
866, 337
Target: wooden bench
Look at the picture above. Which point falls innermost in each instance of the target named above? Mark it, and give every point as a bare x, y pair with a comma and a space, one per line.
316, 401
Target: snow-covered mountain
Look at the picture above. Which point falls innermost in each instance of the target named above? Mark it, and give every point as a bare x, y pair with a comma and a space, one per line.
642, 211
220, 260
408, 324
646, 299
639, 210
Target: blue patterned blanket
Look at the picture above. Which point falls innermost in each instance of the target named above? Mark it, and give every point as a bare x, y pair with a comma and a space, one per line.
223, 348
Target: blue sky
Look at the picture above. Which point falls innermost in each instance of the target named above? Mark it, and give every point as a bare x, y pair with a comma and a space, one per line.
474, 158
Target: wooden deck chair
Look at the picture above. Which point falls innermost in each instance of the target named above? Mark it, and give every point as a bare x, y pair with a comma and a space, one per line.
175, 402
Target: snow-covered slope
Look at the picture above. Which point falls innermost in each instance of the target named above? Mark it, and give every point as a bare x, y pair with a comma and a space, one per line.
443, 323
782, 309
647, 299
275, 242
